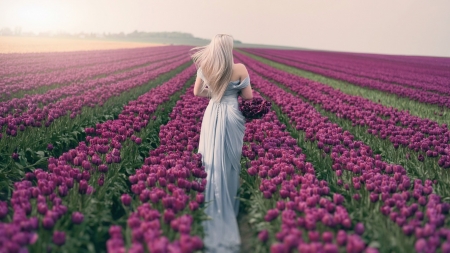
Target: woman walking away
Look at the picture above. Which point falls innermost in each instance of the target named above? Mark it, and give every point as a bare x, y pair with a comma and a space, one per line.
221, 138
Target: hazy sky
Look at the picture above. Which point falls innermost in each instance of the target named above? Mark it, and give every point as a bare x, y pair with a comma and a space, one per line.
411, 27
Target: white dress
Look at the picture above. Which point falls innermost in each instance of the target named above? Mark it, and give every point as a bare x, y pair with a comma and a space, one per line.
220, 143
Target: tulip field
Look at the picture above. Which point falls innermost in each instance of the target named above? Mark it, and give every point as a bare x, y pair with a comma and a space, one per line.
98, 152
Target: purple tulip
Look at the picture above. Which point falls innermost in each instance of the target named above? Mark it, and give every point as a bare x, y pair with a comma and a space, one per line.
90, 190
278, 248
200, 198
327, 237
271, 215
330, 248
313, 236
59, 238
77, 217
420, 245
193, 206
83, 186
338, 199
126, 199
359, 228
48, 222
103, 168
446, 247
263, 235
138, 141
281, 205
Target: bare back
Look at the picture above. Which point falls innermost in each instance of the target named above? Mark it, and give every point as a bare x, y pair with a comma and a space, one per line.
239, 72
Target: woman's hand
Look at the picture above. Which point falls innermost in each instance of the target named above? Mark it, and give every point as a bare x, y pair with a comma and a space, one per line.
204, 93
198, 87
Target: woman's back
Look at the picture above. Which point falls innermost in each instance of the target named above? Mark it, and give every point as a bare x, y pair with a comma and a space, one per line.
239, 72
240, 84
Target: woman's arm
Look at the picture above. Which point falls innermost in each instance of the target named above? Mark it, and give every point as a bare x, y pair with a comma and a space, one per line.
247, 93
198, 87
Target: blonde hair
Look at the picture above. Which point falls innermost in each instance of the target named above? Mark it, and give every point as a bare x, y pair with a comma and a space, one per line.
216, 63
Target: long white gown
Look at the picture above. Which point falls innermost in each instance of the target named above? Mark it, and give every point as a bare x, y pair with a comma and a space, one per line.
220, 143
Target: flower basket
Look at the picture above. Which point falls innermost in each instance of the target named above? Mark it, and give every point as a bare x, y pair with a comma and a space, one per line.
255, 108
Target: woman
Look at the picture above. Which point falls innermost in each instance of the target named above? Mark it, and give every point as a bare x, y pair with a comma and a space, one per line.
221, 138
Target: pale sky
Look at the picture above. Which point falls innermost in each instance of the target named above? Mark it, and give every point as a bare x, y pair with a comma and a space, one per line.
408, 27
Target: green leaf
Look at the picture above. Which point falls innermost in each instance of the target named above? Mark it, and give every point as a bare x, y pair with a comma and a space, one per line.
374, 244
19, 165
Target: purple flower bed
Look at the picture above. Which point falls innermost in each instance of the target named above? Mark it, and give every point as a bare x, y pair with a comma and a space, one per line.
29, 63
425, 136
80, 72
31, 102
93, 93
411, 204
41, 200
436, 93
313, 219
167, 189
421, 74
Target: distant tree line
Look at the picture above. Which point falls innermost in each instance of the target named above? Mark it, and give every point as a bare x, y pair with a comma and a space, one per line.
182, 35
17, 31
170, 38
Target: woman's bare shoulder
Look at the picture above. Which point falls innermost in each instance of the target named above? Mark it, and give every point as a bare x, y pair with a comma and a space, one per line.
239, 65
241, 70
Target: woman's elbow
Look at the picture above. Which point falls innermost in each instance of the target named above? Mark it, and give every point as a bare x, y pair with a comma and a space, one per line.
195, 93
248, 97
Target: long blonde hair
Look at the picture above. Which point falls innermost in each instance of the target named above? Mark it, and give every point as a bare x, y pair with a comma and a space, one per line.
216, 63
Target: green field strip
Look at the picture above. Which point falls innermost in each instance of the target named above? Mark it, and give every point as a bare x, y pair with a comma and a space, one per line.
390, 100
380, 231
44, 89
104, 207
65, 133
245, 230
252, 209
255, 207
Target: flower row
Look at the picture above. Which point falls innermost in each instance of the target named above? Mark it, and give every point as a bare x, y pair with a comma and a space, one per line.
82, 66
438, 96
29, 103
412, 205
313, 219
76, 75
43, 198
167, 189
399, 127
422, 74
19, 65
36, 117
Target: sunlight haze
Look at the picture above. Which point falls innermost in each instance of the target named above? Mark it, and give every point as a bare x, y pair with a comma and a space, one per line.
408, 27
